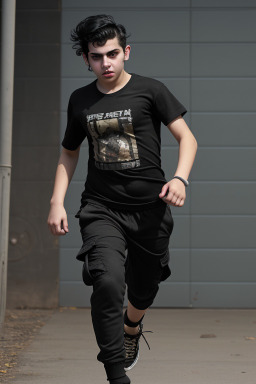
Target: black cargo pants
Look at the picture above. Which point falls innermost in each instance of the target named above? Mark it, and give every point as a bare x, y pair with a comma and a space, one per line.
119, 248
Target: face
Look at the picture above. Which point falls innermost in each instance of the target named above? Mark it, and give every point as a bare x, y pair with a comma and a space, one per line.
107, 62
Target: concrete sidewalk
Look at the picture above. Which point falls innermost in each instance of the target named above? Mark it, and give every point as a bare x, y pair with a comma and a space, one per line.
188, 346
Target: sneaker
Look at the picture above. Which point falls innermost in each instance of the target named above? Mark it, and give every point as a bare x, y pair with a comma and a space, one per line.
131, 344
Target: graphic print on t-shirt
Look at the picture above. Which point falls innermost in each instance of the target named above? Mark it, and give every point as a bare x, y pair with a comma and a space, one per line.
114, 141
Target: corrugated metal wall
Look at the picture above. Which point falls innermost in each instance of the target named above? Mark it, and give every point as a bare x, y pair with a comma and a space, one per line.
204, 51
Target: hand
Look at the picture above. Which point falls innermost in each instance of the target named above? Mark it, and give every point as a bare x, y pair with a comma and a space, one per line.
57, 220
174, 193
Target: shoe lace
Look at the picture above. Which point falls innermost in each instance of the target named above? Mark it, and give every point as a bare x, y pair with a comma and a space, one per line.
131, 343
145, 337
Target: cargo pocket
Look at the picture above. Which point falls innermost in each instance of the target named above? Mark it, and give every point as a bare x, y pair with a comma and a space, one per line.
93, 265
164, 261
168, 219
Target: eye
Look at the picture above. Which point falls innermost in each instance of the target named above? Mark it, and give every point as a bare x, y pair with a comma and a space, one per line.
112, 54
95, 57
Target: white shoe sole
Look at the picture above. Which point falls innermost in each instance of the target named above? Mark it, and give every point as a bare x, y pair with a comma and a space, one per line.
135, 361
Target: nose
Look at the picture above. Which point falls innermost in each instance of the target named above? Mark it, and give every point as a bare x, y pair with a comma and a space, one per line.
105, 62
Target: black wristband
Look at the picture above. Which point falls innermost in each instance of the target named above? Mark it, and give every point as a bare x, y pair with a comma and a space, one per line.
129, 323
185, 182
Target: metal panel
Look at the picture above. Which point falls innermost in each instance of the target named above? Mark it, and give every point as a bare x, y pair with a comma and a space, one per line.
224, 25
181, 233
174, 59
169, 161
73, 238
70, 268
223, 198
72, 199
223, 265
220, 60
180, 266
223, 3
182, 211
224, 129
229, 295
225, 164
173, 295
132, 4
223, 232
223, 95
81, 169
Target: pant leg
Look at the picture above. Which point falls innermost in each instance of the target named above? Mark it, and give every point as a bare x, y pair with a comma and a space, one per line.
104, 247
107, 303
148, 255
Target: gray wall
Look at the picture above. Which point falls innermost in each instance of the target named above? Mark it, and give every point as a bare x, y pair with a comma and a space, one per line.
204, 51
33, 266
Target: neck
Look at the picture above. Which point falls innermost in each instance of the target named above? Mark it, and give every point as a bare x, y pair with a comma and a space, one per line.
111, 87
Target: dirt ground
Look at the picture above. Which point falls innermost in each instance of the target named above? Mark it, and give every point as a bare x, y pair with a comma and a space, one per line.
18, 331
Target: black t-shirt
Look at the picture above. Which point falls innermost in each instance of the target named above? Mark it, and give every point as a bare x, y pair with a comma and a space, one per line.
123, 132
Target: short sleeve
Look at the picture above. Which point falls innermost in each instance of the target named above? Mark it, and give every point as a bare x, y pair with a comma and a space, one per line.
167, 106
75, 133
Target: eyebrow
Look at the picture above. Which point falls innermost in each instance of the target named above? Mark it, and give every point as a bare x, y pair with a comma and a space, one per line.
100, 54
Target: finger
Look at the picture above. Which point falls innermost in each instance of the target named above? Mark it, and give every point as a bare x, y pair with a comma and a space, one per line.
164, 191
182, 202
174, 199
167, 199
58, 229
65, 225
177, 203
62, 233
171, 198
51, 228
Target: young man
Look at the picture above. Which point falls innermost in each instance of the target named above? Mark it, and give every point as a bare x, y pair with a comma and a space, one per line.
125, 216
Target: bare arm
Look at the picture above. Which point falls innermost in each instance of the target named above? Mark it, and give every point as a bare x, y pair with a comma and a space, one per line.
174, 192
57, 219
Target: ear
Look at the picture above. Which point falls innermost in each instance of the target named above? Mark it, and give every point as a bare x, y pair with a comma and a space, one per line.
127, 52
85, 59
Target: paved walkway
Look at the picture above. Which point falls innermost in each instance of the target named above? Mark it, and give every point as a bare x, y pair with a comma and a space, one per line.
188, 346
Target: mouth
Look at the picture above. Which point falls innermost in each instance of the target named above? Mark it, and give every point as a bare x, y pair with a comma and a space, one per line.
108, 74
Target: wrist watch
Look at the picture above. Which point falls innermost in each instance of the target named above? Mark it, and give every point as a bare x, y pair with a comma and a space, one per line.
185, 182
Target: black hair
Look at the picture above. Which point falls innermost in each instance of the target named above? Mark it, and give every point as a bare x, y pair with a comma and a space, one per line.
97, 29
